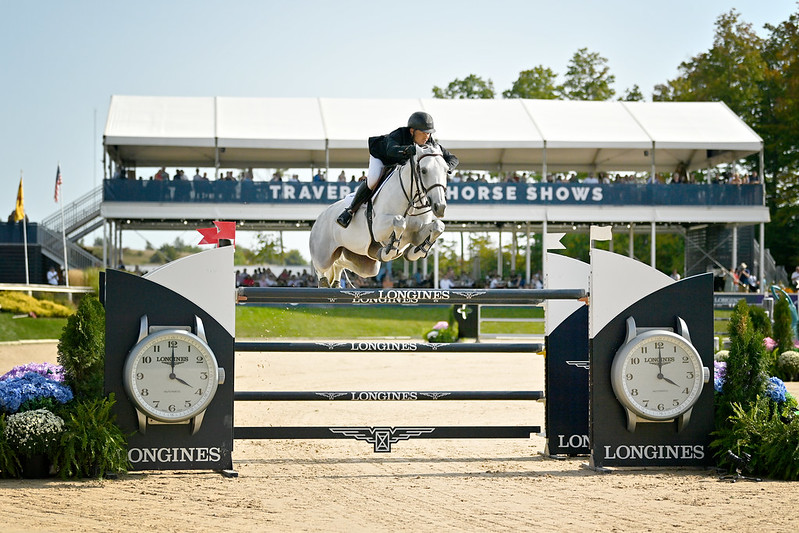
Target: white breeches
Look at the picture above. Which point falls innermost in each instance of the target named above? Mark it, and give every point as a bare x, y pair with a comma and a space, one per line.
373, 174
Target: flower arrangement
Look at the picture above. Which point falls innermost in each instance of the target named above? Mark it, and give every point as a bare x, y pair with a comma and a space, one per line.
755, 414
15, 391
788, 365
48, 370
33, 432
442, 332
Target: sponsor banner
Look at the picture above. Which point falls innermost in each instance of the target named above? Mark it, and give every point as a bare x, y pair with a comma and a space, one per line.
471, 193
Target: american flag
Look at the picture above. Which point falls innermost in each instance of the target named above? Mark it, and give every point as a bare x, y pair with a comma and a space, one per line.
58, 183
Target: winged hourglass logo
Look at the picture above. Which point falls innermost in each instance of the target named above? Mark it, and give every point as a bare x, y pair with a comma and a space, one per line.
382, 437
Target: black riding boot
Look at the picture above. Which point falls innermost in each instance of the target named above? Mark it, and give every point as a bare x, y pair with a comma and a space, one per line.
362, 194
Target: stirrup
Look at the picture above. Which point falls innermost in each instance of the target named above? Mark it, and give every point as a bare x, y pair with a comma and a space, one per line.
344, 218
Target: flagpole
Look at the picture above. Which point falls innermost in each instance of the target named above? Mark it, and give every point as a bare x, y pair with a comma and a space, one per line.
25, 240
63, 235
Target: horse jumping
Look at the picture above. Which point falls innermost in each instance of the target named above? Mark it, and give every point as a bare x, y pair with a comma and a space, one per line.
402, 219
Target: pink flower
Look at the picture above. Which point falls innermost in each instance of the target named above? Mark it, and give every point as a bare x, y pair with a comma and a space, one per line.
441, 325
769, 343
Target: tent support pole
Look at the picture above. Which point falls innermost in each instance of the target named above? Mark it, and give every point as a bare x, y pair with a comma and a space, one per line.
762, 266
653, 245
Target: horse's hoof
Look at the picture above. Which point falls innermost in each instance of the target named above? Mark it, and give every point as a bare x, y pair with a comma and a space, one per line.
324, 283
336, 285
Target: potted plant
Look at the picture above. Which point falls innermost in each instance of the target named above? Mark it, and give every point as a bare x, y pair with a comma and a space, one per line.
34, 435
92, 445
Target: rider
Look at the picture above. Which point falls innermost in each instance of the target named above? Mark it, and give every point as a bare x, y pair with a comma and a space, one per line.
395, 148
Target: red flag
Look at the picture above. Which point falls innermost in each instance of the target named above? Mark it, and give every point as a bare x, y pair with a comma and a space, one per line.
227, 230
57, 183
209, 235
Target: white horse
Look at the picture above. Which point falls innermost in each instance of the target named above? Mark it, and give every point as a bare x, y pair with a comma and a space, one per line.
403, 218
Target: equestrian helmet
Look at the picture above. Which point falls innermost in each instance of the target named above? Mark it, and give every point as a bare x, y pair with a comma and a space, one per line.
421, 121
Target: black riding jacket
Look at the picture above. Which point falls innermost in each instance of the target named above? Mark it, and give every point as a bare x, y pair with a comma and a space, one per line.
390, 148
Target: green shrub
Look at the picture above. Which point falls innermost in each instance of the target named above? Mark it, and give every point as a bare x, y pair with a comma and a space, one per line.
21, 304
92, 444
788, 365
783, 332
81, 350
745, 363
769, 433
761, 324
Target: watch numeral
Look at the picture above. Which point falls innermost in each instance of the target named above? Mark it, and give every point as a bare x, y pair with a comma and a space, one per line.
629, 377
145, 392
645, 402
659, 345
188, 348
200, 359
634, 360
155, 403
157, 348
139, 375
661, 407
643, 349
172, 344
187, 403
203, 375
172, 408
199, 392
685, 390
675, 403
685, 359
146, 359
633, 392
689, 375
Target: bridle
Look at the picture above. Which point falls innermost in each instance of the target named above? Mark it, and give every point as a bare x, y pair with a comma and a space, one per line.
417, 193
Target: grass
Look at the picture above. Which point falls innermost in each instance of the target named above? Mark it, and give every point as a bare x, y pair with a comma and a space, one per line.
332, 322
336, 322
16, 329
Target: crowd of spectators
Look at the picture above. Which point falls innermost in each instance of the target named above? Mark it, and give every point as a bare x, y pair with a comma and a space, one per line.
680, 175
264, 277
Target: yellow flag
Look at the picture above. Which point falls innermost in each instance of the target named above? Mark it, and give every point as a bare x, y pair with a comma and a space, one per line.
19, 212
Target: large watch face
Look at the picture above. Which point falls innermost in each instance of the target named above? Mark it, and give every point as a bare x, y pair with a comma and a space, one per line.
171, 375
658, 375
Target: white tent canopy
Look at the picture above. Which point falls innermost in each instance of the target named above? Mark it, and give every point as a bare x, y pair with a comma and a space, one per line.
539, 135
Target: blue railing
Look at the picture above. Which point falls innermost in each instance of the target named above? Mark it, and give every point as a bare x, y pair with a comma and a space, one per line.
249, 192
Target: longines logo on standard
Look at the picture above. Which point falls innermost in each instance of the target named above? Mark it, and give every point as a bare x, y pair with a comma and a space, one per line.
395, 296
682, 451
174, 455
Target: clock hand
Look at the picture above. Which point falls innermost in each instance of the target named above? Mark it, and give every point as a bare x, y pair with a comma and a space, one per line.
173, 376
667, 380
172, 362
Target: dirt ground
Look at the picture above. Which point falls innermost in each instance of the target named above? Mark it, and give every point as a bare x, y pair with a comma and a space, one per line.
424, 485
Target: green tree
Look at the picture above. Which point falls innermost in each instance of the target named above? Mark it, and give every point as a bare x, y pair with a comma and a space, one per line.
470, 87
538, 82
633, 94
588, 77
779, 127
732, 71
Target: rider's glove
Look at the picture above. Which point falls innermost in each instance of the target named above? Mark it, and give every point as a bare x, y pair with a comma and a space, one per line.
409, 150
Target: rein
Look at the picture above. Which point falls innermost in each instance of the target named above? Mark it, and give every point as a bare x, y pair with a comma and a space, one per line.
416, 194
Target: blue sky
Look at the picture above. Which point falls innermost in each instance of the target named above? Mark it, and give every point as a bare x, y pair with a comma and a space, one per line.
60, 62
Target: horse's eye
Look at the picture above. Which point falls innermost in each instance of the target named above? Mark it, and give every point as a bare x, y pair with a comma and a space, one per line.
424, 171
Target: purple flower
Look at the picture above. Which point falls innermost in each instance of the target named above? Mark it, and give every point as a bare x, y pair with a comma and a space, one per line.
17, 390
769, 343
719, 374
441, 325
48, 370
775, 389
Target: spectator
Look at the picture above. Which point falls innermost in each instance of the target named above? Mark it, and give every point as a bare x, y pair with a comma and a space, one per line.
52, 276
795, 278
197, 176
162, 175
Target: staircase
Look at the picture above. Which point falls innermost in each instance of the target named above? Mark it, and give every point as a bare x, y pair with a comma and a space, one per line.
81, 217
